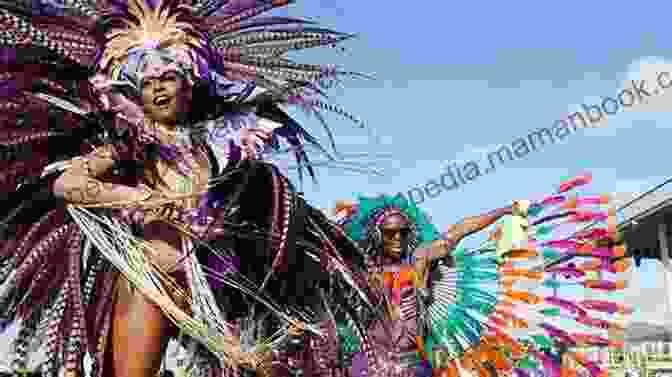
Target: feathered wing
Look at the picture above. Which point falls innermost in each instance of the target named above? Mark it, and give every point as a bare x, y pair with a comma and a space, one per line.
49, 113
500, 306
46, 116
46, 112
255, 49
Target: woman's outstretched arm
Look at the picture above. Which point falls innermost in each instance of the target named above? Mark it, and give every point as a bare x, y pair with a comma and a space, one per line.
78, 183
468, 226
452, 237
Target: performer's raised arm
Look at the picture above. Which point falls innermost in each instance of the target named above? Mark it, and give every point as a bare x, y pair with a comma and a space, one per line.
468, 226
454, 234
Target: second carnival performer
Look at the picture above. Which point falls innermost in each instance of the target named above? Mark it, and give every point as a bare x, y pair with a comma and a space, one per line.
137, 203
483, 311
391, 229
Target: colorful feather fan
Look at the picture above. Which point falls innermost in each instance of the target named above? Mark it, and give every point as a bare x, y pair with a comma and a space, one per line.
504, 308
500, 307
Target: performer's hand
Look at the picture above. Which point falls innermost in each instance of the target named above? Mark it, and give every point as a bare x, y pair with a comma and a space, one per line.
296, 329
259, 362
158, 211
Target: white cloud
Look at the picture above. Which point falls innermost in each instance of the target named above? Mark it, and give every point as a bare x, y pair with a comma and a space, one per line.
648, 69
645, 68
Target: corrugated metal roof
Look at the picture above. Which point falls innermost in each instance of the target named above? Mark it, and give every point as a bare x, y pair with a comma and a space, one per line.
642, 208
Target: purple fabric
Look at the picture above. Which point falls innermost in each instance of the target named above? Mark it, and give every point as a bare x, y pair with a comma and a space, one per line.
48, 8
402, 341
403, 331
176, 153
222, 265
226, 88
4, 325
520, 372
424, 369
235, 6
168, 152
7, 55
8, 88
317, 357
360, 365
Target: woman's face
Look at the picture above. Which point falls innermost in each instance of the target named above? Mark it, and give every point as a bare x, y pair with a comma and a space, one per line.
394, 228
165, 95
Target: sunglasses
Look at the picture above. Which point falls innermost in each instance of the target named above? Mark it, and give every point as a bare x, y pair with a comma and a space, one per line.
390, 233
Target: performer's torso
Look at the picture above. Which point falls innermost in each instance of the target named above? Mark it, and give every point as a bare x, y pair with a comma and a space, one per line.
399, 288
175, 183
162, 237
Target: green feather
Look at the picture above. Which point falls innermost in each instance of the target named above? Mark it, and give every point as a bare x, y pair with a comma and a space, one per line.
543, 341
534, 211
550, 254
544, 230
550, 283
550, 312
527, 363
349, 342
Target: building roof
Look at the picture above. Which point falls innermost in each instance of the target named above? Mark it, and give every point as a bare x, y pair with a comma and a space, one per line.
639, 332
640, 220
648, 207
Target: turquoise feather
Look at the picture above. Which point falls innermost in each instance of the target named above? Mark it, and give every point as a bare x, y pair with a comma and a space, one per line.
549, 253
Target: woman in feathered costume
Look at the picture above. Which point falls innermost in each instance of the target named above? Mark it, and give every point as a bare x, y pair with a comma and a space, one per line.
392, 231
483, 310
136, 196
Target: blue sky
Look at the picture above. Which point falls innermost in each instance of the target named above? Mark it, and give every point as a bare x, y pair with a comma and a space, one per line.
456, 78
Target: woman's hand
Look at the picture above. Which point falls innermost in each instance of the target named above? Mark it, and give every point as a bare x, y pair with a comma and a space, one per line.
167, 211
296, 329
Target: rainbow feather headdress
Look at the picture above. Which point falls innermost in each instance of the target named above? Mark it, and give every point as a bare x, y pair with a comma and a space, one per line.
371, 212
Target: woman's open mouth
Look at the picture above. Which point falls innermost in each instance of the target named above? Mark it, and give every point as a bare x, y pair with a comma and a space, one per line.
161, 101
